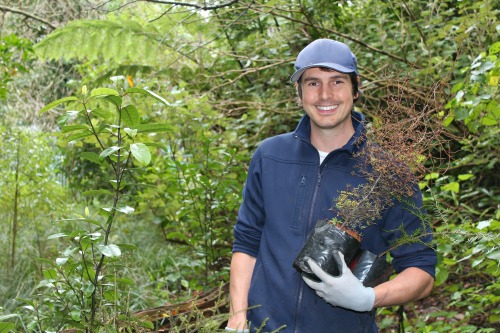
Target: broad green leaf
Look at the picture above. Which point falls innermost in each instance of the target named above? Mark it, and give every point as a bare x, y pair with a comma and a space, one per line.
90, 156
130, 132
58, 235
71, 128
8, 316
494, 48
103, 92
453, 187
6, 327
67, 116
125, 209
148, 92
50, 274
141, 153
115, 100
79, 135
108, 151
495, 255
110, 250
57, 102
101, 113
465, 177
61, 261
130, 115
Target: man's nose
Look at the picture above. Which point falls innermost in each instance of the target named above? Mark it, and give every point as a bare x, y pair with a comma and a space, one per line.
326, 92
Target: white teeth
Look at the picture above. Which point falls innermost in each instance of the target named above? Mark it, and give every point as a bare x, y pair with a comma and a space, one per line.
327, 108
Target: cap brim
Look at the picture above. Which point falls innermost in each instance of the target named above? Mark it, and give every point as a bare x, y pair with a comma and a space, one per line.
296, 76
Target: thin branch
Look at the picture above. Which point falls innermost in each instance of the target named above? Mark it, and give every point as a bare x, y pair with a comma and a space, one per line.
357, 41
185, 4
21, 12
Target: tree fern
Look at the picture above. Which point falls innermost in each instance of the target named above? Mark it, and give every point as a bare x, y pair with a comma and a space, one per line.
104, 40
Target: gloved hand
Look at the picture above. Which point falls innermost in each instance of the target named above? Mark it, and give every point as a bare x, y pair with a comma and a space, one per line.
245, 330
344, 290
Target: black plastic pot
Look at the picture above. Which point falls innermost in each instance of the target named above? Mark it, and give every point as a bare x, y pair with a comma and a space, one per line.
327, 238
371, 269
320, 245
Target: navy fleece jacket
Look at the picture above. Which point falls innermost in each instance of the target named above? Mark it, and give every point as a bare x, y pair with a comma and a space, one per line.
287, 191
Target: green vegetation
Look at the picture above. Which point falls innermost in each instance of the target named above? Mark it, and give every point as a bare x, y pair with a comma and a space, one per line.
121, 195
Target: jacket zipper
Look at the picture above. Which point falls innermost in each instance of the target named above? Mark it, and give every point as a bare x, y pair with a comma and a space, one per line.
309, 222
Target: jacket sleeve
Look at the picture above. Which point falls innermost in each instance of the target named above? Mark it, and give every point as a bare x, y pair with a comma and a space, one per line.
409, 219
251, 215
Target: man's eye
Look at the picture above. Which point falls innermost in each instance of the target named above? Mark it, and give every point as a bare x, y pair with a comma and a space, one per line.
338, 83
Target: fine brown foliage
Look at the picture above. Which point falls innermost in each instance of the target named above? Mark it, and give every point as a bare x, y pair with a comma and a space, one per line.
403, 139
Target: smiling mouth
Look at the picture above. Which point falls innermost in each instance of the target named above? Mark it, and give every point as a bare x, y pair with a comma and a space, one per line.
327, 107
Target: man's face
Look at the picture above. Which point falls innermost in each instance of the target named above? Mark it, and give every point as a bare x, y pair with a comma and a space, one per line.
327, 98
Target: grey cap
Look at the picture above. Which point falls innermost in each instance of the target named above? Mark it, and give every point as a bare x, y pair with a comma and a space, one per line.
325, 53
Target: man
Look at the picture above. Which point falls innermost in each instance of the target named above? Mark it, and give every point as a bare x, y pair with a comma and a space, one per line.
292, 180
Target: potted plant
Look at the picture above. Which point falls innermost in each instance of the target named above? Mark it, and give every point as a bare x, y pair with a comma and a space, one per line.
391, 156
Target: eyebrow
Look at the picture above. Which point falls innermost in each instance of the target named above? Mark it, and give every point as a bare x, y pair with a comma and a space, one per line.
335, 76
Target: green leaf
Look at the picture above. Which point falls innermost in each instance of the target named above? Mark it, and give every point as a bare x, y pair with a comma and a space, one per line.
61, 261
465, 177
495, 255
115, 100
56, 103
453, 187
58, 235
90, 156
67, 116
130, 115
101, 113
8, 316
79, 135
6, 327
130, 132
141, 153
148, 92
125, 209
494, 48
110, 250
50, 274
103, 92
71, 128
108, 151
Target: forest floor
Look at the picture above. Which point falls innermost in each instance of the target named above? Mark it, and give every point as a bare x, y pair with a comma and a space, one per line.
442, 309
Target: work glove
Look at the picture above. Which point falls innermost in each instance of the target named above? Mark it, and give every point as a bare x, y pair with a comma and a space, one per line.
344, 290
245, 330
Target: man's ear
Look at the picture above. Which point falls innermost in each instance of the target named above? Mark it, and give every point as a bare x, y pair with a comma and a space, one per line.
357, 93
299, 93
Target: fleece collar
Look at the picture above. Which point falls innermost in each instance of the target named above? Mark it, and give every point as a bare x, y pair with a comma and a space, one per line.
303, 131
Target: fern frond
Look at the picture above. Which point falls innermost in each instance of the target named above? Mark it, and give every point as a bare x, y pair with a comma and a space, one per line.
119, 42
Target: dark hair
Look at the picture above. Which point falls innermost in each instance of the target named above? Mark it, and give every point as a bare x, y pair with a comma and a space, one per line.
352, 76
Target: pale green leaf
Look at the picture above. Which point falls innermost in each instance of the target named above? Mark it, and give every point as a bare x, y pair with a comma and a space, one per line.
125, 209
130, 115
108, 151
58, 235
56, 103
90, 156
141, 153
110, 250
61, 261
150, 93
104, 92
